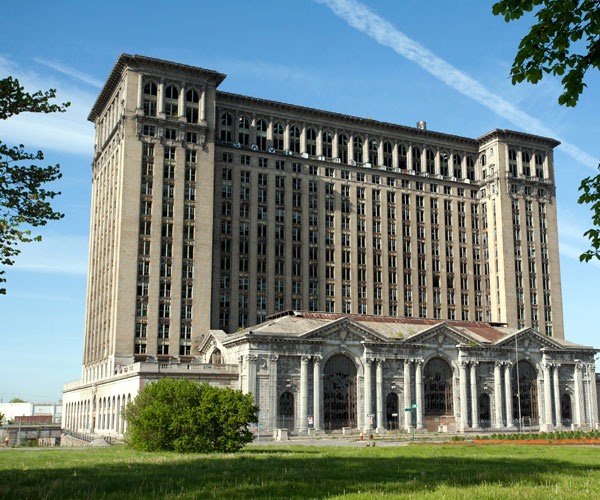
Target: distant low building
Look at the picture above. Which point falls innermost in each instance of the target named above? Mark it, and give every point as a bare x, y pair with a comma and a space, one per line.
12, 411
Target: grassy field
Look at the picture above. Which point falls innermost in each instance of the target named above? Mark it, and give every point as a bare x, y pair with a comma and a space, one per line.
295, 472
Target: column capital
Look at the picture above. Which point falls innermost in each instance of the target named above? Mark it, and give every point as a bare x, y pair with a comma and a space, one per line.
304, 359
379, 360
463, 363
273, 358
252, 358
317, 358
418, 362
498, 364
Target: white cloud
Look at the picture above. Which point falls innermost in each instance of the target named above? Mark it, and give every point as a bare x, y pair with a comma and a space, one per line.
57, 254
72, 72
361, 18
66, 132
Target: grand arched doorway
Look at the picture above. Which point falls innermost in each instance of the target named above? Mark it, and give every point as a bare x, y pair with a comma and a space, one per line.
438, 388
437, 393
339, 392
525, 401
285, 416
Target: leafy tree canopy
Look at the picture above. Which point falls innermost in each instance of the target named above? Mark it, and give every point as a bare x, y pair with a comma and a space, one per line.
565, 42
185, 416
24, 202
17, 400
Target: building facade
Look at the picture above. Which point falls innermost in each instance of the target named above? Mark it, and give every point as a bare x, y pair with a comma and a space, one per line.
213, 211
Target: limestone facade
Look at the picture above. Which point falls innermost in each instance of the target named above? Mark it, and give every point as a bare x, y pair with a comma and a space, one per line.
213, 211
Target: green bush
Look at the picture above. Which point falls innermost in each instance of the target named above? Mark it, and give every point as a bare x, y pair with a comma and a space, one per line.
185, 416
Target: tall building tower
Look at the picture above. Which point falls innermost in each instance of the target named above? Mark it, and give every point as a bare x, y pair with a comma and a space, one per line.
212, 210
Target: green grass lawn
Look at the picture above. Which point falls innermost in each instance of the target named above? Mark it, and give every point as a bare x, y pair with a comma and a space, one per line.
296, 472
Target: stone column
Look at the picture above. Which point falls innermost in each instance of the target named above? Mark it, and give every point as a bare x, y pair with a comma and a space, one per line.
368, 402
508, 395
202, 106
557, 415
181, 103
273, 390
160, 98
577, 395
407, 395
140, 94
379, 394
498, 394
251, 374
474, 396
303, 393
464, 409
593, 396
419, 391
317, 392
547, 398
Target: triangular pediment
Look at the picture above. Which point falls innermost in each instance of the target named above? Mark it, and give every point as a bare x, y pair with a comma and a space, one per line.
528, 338
441, 334
345, 330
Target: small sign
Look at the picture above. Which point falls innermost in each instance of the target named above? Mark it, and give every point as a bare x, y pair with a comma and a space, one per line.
370, 414
414, 406
407, 409
310, 420
370, 420
394, 414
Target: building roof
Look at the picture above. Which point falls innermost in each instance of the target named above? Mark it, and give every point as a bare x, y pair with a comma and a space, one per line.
290, 324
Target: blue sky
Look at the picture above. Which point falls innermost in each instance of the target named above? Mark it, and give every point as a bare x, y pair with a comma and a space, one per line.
381, 59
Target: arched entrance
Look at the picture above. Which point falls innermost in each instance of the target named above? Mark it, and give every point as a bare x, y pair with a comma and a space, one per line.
527, 390
484, 410
565, 409
391, 411
339, 392
286, 411
437, 393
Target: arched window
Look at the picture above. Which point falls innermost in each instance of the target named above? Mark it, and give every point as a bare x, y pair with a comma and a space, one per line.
278, 131
402, 157
457, 166
430, 161
357, 149
444, 158
438, 387
512, 162
416, 159
244, 131
374, 152
226, 128
171, 101
525, 406
150, 93
295, 139
539, 166
470, 169
216, 358
286, 411
343, 148
261, 135
192, 100
311, 142
387, 154
327, 140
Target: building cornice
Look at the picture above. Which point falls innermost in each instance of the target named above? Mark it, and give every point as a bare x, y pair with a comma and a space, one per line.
508, 135
140, 62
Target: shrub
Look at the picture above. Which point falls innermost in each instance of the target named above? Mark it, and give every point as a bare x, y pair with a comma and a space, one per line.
185, 416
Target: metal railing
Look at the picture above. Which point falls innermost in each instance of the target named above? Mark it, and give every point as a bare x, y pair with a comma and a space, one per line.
88, 438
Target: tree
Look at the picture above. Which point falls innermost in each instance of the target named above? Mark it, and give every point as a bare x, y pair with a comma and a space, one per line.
17, 400
24, 202
555, 44
564, 42
185, 416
